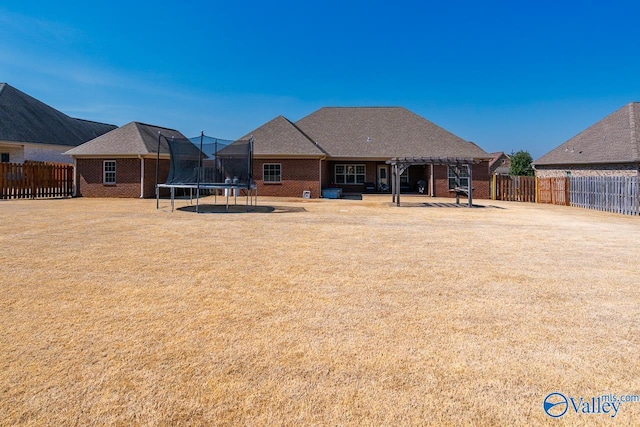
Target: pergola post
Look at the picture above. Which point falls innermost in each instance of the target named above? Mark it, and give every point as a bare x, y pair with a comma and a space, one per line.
400, 164
397, 180
393, 183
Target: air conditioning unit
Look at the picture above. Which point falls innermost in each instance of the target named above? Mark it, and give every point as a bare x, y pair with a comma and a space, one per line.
306, 194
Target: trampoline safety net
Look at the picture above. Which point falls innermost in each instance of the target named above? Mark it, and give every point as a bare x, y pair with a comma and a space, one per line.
205, 160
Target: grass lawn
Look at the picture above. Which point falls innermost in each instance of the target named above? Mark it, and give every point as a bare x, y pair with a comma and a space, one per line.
314, 312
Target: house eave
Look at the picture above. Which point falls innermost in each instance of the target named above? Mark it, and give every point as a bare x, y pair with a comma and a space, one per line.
287, 156
590, 164
117, 156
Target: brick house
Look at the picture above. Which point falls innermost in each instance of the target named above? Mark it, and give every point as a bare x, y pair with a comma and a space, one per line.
348, 148
499, 164
609, 147
33, 131
122, 163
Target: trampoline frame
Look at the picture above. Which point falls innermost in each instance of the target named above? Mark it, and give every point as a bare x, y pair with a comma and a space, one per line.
251, 189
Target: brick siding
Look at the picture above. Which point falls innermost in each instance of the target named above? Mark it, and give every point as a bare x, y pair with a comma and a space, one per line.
298, 175
89, 177
587, 170
480, 181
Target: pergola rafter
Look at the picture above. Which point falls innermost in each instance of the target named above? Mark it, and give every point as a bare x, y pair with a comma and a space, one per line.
400, 164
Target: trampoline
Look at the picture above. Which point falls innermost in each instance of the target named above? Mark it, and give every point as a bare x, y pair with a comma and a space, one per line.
209, 166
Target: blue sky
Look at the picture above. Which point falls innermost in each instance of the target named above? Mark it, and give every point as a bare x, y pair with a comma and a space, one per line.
508, 75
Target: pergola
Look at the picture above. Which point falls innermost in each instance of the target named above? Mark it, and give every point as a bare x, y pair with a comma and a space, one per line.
457, 164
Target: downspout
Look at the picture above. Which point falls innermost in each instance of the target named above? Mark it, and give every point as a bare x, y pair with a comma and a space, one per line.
141, 176
75, 177
320, 176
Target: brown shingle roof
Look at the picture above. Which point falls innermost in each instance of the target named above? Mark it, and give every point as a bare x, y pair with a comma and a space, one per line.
25, 119
614, 139
132, 139
362, 132
281, 137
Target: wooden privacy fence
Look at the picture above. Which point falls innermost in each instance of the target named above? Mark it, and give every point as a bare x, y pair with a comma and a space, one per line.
514, 188
553, 190
617, 194
35, 180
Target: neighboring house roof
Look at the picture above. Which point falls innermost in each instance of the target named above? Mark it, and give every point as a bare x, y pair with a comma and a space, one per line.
500, 163
614, 139
27, 120
281, 137
132, 139
363, 132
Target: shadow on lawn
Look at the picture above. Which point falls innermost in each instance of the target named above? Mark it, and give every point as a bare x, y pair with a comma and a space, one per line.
443, 205
209, 208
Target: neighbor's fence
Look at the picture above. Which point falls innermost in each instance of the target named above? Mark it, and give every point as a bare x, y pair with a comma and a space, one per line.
514, 188
554, 191
617, 194
35, 180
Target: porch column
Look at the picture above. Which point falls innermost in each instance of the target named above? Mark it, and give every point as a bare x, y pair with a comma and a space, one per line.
394, 170
432, 184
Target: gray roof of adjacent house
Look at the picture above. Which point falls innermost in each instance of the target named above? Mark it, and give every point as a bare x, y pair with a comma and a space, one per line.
132, 139
362, 132
614, 139
25, 119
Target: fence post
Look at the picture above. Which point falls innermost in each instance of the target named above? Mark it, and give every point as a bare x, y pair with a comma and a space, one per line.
493, 187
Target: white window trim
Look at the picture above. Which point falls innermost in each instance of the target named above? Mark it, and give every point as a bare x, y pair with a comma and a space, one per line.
404, 176
464, 176
280, 174
355, 175
104, 172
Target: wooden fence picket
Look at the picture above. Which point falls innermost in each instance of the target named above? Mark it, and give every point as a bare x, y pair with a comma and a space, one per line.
35, 180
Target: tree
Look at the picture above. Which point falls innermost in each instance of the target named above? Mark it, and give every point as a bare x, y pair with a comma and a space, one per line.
521, 164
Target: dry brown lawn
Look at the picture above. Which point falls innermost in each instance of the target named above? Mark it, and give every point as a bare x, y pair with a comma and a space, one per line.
320, 312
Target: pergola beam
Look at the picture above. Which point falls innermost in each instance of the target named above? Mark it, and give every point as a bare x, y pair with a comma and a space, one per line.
400, 164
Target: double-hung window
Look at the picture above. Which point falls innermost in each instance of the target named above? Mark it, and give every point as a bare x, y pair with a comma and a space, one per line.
109, 172
350, 174
404, 177
272, 172
463, 176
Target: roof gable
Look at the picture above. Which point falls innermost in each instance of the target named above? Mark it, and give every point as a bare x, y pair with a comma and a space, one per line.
362, 133
281, 137
614, 139
382, 132
132, 139
25, 119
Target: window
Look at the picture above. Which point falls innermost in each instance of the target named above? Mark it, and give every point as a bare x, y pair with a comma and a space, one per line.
109, 172
272, 172
350, 174
404, 176
4, 158
462, 172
